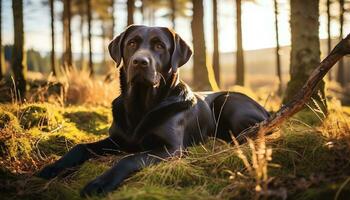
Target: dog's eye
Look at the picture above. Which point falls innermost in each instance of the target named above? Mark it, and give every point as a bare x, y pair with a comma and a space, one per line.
159, 46
132, 44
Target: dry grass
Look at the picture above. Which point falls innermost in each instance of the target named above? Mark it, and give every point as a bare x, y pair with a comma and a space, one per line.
337, 125
82, 89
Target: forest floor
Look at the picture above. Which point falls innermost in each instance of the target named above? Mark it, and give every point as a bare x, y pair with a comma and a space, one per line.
308, 158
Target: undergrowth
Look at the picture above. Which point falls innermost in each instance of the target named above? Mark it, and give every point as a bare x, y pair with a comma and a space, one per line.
301, 160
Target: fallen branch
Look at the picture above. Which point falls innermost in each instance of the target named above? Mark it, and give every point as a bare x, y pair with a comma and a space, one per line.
302, 97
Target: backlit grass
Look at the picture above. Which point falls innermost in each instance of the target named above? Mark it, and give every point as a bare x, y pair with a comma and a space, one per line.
308, 160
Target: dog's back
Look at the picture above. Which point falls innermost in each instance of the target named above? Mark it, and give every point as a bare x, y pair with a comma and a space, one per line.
233, 112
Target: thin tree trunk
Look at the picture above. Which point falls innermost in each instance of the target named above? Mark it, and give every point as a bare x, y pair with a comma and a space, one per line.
1, 73
142, 10
130, 7
329, 39
216, 57
89, 37
52, 13
68, 59
305, 53
113, 19
200, 70
82, 39
341, 71
19, 69
239, 54
173, 13
103, 37
151, 16
278, 58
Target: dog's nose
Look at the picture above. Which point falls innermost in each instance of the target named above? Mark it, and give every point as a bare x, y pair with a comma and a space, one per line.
142, 61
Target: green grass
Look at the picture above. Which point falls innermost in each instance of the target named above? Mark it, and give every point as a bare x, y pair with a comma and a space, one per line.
309, 160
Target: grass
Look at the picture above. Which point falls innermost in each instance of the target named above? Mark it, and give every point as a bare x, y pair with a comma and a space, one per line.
302, 160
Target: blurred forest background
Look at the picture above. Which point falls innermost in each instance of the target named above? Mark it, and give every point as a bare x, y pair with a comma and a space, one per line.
241, 42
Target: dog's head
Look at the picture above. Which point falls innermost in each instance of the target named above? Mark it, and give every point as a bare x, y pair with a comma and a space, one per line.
149, 54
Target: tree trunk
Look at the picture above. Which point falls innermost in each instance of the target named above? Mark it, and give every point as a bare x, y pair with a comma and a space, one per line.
216, 58
173, 13
305, 53
341, 70
52, 13
82, 39
200, 70
88, 2
329, 39
142, 11
1, 73
67, 34
113, 19
130, 7
19, 69
278, 58
152, 19
103, 38
239, 54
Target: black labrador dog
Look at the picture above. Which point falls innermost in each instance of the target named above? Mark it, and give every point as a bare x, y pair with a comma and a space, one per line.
157, 115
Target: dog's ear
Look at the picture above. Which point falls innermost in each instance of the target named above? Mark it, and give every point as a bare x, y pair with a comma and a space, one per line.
115, 47
181, 53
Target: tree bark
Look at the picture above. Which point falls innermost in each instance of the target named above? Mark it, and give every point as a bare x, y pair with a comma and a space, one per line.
52, 13
305, 53
200, 70
301, 97
216, 56
173, 13
329, 39
130, 7
240, 75
278, 59
67, 34
91, 67
18, 67
341, 71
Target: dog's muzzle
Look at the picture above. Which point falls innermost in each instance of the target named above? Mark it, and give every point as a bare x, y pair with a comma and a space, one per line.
142, 69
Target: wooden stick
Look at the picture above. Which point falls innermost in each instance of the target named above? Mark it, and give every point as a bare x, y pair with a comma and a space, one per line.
302, 97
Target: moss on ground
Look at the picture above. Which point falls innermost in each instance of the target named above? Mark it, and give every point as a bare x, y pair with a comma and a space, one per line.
308, 162
32, 135
15, 146
95, 121
42, 116
13, 143
7, 119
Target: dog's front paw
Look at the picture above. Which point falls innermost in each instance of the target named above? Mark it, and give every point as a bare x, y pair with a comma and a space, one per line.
100, 186
49, 171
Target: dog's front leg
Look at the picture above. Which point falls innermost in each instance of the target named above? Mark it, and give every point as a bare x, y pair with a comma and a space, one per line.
111, 179
78, 155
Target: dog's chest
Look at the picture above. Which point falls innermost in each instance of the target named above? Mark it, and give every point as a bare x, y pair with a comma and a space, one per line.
129, 143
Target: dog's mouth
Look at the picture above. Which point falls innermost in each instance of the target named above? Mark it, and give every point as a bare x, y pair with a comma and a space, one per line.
152, 81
